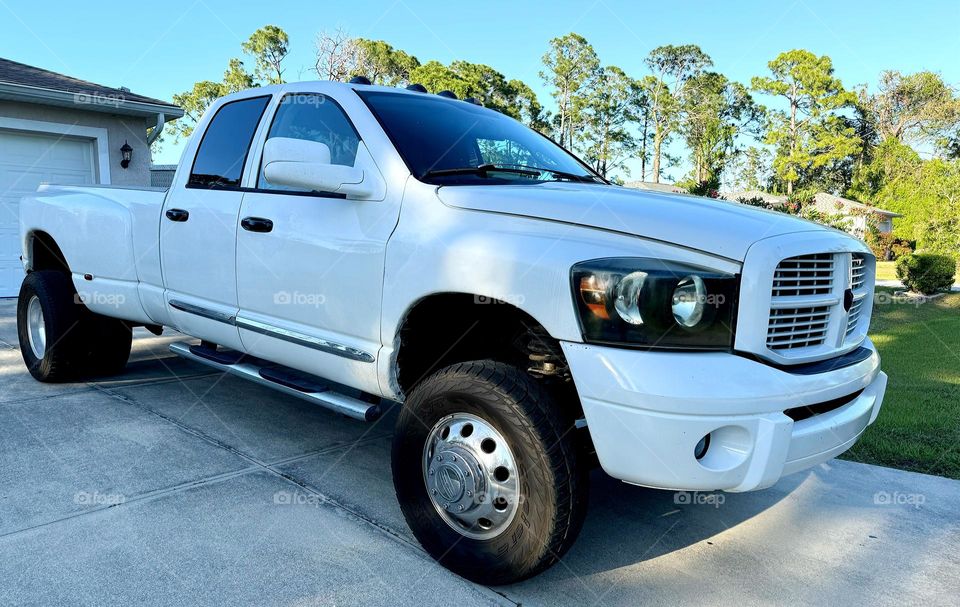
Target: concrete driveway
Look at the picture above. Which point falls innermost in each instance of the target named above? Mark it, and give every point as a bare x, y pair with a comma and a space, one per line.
174, 485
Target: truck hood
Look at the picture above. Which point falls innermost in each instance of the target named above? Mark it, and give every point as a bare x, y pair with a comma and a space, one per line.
713, 226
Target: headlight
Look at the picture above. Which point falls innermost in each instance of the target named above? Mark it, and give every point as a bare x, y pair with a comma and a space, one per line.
651, 303
689, 301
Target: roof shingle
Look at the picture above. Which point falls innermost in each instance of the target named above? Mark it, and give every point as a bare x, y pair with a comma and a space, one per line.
26, 75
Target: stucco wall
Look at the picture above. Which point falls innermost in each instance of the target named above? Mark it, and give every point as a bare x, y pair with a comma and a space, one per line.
119, 129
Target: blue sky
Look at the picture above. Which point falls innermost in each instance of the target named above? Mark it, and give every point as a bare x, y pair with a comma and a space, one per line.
161, 49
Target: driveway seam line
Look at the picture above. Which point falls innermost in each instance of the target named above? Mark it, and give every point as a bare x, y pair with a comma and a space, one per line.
138, 498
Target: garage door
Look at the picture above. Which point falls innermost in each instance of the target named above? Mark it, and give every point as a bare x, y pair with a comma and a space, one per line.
26, 161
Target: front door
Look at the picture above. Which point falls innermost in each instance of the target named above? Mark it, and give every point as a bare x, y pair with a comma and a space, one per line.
310, 265
198, 229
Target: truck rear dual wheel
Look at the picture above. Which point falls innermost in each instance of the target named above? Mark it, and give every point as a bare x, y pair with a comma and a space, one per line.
487, 472
60, 339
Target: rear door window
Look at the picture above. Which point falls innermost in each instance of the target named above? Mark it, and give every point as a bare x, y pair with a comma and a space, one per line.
226, 143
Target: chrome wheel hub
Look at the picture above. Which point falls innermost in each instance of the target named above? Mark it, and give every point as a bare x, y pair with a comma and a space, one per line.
36, 328
471, 476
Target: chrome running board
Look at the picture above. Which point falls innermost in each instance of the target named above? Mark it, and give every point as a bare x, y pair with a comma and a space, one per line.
255, 370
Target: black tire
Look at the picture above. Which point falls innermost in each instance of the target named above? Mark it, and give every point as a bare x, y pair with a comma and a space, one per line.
78, 342
62, 315
553, 483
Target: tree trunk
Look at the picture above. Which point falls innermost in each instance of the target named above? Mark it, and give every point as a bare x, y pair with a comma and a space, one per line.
563, 115
793, 135
656, 157
643, 152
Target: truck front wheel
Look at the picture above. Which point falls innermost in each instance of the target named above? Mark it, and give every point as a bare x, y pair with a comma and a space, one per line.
60, 339
487, 473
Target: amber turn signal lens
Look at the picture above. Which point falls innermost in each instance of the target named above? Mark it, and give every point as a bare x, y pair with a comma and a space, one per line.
595, 296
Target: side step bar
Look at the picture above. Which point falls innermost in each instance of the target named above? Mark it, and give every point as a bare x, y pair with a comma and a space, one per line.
288, 382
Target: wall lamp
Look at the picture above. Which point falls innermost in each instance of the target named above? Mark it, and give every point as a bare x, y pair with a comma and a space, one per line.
126, 153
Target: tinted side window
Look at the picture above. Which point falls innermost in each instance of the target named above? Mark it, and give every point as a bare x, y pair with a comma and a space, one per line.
225, 144
315, 117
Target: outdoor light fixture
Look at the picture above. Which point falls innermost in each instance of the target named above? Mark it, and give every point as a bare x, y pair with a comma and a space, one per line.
126, 152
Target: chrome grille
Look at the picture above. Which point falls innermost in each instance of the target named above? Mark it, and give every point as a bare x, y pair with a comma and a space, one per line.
854, 317
795, 304
804, 275
858, 285
859, 271
797, 327
795, 279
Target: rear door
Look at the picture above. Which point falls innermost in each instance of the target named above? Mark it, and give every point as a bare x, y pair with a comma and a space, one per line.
198, 229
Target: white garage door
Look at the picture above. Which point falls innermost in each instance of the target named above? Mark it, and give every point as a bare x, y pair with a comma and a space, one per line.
26, 161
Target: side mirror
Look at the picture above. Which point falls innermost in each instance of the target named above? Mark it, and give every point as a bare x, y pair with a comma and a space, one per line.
305, 165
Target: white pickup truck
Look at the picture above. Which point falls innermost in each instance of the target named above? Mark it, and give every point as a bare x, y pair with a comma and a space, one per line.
357, 245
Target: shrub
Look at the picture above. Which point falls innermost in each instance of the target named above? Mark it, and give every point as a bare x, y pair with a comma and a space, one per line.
926, 273
709, 188
901, 247
881, 243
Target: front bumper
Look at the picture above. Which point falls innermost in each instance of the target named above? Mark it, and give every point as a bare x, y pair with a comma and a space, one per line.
647, 411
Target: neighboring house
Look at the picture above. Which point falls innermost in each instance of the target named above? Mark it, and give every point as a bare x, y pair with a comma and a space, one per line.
856, 211
828, 204
58, 129
161, 175
774, 200
650, 186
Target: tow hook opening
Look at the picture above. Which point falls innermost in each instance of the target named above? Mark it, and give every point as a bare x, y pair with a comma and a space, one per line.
701, 449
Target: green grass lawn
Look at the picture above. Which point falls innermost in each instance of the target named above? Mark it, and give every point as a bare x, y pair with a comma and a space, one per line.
919, 425
887, 271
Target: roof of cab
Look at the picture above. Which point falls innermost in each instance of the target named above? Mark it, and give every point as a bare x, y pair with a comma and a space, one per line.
318, 86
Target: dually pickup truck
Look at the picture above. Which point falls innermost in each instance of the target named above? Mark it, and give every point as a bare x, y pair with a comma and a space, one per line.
360, 246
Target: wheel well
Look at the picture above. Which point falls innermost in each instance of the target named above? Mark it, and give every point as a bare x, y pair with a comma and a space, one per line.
45, 254
448, 328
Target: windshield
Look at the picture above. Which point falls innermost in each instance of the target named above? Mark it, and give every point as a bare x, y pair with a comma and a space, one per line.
454, 142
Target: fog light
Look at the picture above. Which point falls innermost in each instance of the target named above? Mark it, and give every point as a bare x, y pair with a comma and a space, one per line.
701, 449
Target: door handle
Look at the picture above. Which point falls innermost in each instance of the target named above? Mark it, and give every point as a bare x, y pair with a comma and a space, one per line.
177, 215
256, 224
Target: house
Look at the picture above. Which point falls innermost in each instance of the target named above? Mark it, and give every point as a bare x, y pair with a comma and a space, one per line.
774, 201
650, 186
58, 129
856, 212
161, 175
828, 204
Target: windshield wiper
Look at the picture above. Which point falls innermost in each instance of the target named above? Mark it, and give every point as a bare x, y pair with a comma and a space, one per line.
481, 170
561, 174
